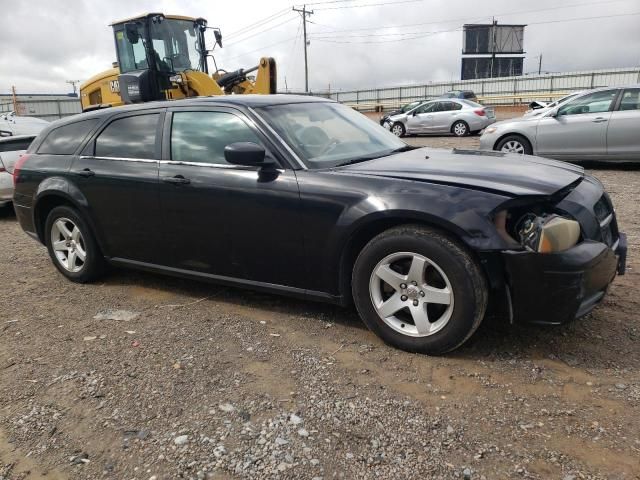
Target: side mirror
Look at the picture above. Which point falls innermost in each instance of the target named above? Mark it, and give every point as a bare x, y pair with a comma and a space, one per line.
553, 113
245, 153
218, 35
131, 30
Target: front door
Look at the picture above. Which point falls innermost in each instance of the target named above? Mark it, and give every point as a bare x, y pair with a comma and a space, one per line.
419, 121
221, 219
118, 175
623, 134
579, 128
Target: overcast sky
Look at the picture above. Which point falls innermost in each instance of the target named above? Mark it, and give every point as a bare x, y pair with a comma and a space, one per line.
388, 42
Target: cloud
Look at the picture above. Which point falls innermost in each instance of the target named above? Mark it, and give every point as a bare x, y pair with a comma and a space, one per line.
46, 43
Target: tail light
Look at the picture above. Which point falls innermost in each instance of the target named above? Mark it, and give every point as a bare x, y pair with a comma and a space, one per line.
18, 165
480, 112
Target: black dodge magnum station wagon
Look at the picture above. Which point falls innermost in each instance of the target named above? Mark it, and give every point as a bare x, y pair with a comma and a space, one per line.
306, 197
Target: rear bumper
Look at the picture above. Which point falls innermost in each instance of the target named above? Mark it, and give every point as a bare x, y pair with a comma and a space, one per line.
557, 288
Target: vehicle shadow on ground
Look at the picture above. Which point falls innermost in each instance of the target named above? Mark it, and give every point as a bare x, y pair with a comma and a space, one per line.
7, 213
495, 338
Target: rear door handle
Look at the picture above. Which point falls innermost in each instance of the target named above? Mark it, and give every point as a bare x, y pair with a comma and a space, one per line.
177, 180
599, 120
86, 173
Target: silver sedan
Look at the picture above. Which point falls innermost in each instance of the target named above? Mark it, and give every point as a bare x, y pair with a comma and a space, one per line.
10, 150
601, 124
457, 116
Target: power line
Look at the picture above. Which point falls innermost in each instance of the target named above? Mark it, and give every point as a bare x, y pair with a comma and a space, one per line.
261, 48
467, 19
369, 5
260, 32
258, 23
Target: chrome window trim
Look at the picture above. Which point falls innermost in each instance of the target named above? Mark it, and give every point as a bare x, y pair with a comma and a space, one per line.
264, 124
225, 166
118, 159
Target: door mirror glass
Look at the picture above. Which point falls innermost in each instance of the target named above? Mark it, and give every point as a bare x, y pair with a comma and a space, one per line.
245, 153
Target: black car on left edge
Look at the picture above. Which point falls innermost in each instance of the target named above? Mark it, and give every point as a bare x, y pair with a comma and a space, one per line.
306, 197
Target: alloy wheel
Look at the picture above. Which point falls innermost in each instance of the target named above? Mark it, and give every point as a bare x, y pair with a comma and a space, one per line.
397, 130
512, 146
68, 245
411, 294
460, 129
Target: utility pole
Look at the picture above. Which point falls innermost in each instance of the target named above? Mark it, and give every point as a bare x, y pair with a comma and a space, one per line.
305, 13
73, 85
540, 64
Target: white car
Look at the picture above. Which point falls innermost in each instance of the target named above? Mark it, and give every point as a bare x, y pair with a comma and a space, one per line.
12, 124
10, 150
539, 108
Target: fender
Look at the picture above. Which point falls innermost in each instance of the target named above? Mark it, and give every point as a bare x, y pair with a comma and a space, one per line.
65, 189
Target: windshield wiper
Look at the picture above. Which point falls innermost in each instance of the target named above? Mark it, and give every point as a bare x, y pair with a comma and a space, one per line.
365, 158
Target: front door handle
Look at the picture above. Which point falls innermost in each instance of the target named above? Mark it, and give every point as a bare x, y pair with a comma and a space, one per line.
86, 173
177, 180
599, 120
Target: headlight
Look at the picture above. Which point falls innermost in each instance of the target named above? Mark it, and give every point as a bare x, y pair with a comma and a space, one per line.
490, 129
537, 232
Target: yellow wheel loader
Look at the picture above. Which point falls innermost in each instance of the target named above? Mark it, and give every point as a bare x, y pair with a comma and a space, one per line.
164, 57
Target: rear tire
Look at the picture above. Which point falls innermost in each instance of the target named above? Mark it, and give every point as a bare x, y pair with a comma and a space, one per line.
514, 144
460, 128
398, 129
438, 312
72, 246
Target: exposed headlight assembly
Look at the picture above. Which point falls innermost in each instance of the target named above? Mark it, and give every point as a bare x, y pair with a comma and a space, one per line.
537, 232
547, 233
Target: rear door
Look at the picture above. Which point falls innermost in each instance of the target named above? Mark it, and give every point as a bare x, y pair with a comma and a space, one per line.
623, 134
579, 130
118, 175
444, 115
221, 219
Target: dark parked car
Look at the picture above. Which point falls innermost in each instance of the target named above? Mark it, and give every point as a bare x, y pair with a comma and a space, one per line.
306, 197
461, 94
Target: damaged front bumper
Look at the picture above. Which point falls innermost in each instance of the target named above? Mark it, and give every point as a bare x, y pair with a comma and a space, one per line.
559, 287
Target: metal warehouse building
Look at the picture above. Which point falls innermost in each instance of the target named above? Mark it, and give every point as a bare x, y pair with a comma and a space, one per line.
41, 105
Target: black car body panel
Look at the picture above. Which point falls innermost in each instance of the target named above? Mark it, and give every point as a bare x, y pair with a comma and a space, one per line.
289, 229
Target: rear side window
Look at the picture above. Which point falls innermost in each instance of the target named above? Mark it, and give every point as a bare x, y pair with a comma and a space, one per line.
630, 99
129, 137
13, 145
66, 139
468, 94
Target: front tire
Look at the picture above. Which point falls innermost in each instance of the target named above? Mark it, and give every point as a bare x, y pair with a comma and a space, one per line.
419, 290
398, 129
460, 129
515, 144
72, 246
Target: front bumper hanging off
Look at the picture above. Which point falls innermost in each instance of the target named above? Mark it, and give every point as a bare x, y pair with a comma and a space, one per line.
559, 287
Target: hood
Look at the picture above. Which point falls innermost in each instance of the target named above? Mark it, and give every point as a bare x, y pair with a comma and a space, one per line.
510, 174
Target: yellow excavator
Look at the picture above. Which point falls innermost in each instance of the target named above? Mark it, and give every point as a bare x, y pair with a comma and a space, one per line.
164, 57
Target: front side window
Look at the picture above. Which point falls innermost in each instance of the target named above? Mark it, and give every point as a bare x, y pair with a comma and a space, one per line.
596, 102
427, 107
201, 136
630, 99
327, 134
66, 139
131, 56
129, 137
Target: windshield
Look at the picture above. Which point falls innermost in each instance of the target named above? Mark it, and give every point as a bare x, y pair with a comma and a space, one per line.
176, 45
409, 106
562, 100
329, 134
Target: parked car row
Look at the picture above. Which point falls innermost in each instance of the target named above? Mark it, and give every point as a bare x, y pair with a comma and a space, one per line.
599, 124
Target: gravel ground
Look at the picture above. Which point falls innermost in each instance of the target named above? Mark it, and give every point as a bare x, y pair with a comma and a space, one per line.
150, 377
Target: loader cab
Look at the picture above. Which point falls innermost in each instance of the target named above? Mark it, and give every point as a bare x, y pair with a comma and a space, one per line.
153, 50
